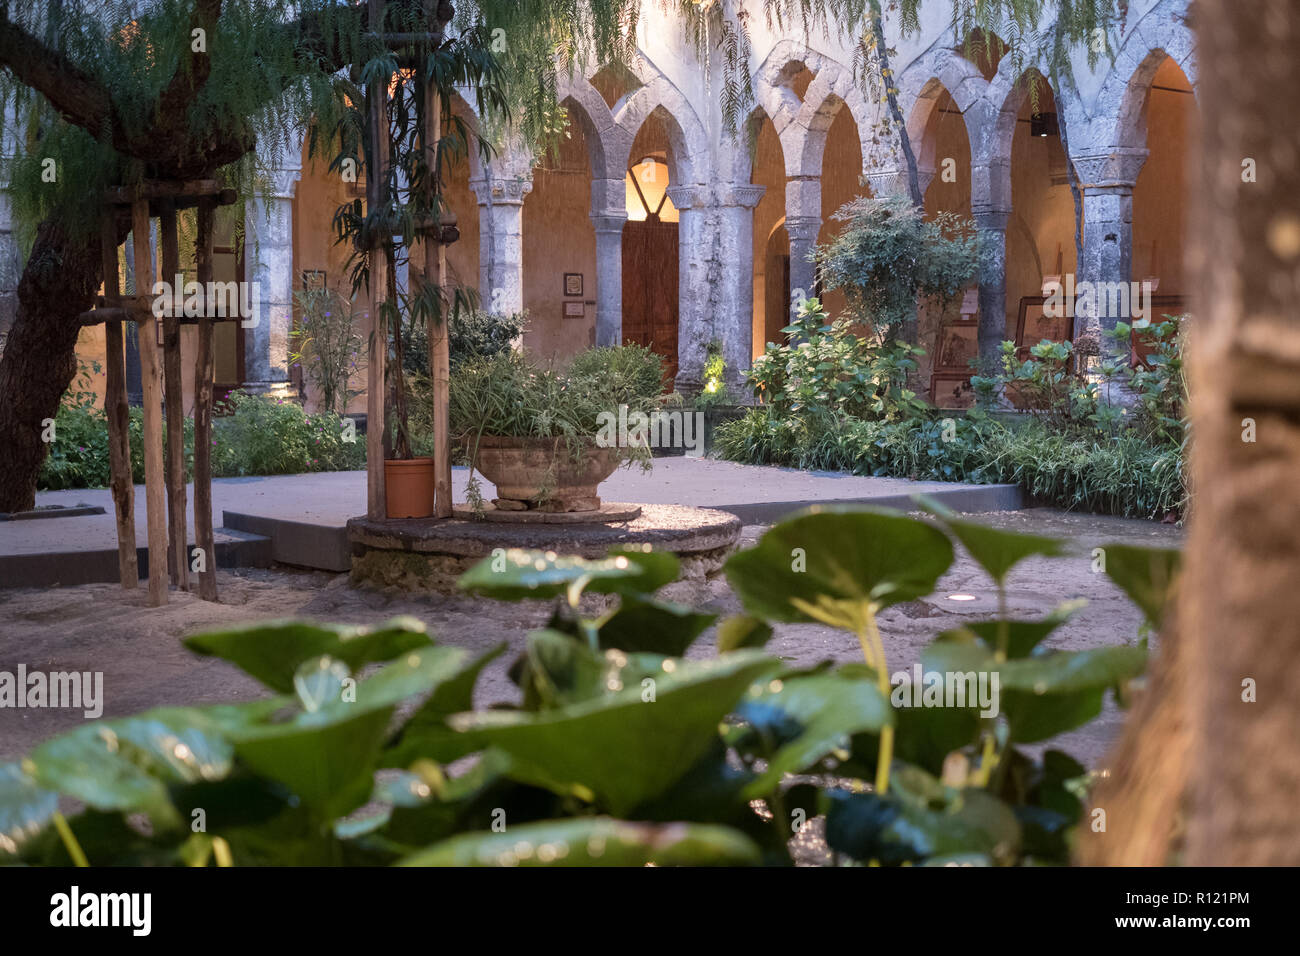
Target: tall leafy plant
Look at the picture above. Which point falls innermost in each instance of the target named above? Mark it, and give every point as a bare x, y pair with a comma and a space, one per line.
889, 253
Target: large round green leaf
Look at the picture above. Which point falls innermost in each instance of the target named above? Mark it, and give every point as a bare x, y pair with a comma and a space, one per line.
829, 563
25, 808
594, 841
806, 718
995, 550
1146, 575
272, 651
623, 748
517, 574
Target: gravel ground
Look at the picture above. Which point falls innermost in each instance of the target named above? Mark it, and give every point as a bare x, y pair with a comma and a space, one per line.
102, 628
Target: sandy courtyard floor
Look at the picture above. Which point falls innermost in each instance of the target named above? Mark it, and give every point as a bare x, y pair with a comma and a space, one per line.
101, 628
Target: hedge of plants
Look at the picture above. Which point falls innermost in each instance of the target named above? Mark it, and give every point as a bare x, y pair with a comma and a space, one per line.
833, 400
260, 436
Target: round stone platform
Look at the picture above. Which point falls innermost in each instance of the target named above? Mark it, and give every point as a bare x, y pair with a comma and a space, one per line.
418, 554
609, 511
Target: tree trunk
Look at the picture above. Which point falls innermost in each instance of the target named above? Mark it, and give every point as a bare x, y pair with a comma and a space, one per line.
1239, 606
58, 283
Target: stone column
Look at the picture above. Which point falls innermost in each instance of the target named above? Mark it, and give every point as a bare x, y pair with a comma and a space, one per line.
734, 323
608, 216
803, 223
1107, 183
268, 227
609, 279
699, 282
991, 208
501, 195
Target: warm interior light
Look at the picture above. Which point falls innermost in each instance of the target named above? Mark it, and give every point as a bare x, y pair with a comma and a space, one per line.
652, 178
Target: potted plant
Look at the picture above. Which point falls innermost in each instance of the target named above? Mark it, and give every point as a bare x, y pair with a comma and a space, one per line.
548, 437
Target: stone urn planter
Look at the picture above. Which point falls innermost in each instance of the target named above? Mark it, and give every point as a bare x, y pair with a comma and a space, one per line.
543, 474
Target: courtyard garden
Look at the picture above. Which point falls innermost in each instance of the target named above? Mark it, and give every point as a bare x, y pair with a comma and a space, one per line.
504, 435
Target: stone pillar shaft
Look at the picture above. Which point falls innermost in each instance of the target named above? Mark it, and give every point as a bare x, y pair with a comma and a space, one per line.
501, 242
609, 278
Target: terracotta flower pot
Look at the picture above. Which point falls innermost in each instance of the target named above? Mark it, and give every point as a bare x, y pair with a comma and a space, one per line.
408, 487
543, 473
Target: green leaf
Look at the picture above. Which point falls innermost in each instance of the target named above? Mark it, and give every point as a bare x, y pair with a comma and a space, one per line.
828, 564
425, 733
126, 764
621, 748
1022, 636
326, 756
806, 718
1146, 575
740, 631
594, 841
327, 765
907, 828
25, 808
993, 549
520, 574
1044, 694
272, 651
653, 626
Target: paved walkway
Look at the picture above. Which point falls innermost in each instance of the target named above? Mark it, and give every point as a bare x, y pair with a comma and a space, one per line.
324, 502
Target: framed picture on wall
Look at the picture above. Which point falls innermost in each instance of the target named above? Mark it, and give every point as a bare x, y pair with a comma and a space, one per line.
572, 284
1035, 324
951, 390
574, 310
958, 344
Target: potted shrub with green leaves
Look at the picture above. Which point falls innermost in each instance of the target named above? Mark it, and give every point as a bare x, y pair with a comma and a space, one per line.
547, 437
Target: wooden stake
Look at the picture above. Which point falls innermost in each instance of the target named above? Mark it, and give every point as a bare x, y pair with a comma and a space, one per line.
115, 409
203, 371
178, 563
435, 264
151, 380
376, 377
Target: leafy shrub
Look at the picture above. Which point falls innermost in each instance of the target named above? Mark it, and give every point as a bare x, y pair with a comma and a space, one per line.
471, 334
261, 436
269, 436
509, 394
832, 402
585, 769
328, 344
827, 369
889, 253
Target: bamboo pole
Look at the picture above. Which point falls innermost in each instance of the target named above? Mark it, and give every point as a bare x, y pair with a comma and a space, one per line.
376, 377
203, 372
435, 264
151, 379
178, 564
115, 410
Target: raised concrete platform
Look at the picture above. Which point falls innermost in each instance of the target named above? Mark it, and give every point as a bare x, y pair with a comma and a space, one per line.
305, 516
420, 554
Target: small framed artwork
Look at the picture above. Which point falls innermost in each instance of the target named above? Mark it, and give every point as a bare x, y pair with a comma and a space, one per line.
951, 390
574, 310
958, 344
572, 284
1035, 324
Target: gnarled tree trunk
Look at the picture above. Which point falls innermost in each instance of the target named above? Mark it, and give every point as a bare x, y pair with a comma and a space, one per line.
1226, 701
58, 284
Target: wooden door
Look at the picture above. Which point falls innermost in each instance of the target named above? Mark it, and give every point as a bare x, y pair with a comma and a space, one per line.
650, 288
